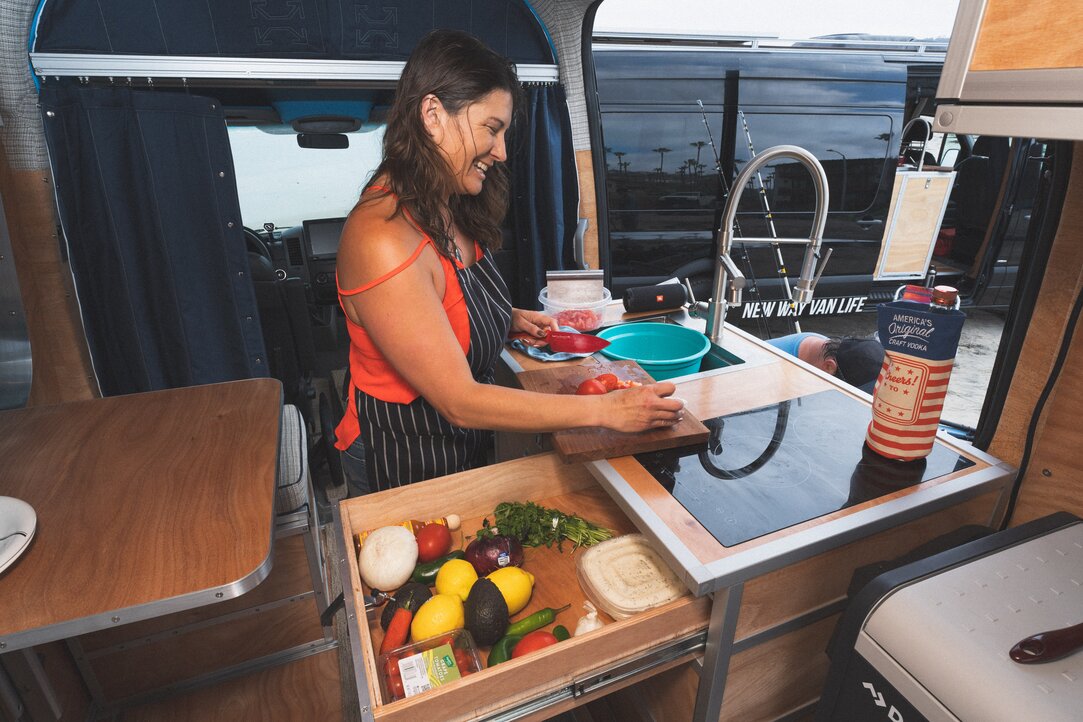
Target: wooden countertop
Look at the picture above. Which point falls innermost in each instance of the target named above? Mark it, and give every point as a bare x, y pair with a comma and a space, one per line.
147, 504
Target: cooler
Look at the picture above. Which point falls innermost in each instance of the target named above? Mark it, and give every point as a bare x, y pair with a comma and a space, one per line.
930, 640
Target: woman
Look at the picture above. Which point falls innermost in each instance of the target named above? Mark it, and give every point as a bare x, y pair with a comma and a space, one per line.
426, 309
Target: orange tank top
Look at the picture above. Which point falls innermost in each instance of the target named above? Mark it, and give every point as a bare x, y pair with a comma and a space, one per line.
370, 371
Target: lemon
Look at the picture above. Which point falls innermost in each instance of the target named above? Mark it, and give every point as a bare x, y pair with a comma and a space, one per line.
456, 577
439, 615
515, 585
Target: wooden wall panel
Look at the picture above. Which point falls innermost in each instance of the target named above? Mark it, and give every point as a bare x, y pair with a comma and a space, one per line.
63, 676
769, 680
137, 670
765, 682
1052, 482
304, 690
588, 206
1061, 284
1023, 34
61, 362
774, 598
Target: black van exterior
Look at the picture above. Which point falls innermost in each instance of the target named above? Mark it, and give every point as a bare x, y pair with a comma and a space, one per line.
677, 121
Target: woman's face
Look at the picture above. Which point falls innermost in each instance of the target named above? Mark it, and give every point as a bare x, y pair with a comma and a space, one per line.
473, 140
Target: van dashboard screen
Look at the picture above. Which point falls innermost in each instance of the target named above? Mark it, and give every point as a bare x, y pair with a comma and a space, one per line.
321, 238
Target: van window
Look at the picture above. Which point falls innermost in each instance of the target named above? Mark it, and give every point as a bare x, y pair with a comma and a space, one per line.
662, 188
282, 183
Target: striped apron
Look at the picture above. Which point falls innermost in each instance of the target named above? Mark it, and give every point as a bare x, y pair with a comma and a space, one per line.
412, 442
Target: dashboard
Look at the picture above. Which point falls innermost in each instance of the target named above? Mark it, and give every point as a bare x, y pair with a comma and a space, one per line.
309, 252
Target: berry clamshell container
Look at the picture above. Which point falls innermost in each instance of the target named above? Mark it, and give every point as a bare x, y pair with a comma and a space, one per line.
441, 669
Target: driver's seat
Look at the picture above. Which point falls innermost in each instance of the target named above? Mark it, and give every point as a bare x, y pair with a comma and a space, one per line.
287, 332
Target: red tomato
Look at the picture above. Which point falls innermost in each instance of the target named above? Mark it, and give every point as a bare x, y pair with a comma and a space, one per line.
433, 542
463, 661
533, 642
396, 688
591, 386
610, 381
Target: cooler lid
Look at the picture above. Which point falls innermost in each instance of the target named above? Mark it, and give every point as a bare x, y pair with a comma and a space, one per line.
951, 631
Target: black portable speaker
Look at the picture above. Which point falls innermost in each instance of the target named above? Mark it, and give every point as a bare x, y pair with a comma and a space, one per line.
655, 298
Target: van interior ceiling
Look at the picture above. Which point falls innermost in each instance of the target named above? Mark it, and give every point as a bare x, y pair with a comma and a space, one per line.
174, 181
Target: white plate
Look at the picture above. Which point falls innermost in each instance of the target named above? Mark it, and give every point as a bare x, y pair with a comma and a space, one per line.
18, 522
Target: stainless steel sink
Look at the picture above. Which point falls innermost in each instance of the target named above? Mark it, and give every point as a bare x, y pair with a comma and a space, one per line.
719, 358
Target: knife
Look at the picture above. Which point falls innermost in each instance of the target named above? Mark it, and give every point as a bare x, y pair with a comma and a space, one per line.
567, 342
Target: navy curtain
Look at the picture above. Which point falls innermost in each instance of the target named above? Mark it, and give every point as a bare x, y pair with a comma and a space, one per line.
148, 203
545, 187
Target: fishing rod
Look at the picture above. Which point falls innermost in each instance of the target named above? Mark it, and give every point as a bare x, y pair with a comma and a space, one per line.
753, 287
780, 263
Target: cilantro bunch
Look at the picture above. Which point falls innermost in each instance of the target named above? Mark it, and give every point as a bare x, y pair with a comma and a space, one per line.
535, 525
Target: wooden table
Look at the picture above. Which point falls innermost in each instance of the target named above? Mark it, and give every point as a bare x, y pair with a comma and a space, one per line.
147, 504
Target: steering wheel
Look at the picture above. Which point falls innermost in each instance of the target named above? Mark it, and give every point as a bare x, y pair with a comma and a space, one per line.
256, 245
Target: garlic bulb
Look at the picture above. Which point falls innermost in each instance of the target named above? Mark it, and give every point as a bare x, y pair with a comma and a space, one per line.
590, 622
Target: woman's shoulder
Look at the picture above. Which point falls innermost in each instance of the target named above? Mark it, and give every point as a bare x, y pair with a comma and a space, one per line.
375, 241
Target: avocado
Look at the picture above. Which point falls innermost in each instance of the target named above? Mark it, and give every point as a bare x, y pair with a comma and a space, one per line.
486, 612
410, 595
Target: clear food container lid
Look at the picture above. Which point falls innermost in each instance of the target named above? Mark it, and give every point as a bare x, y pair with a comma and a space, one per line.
625, 575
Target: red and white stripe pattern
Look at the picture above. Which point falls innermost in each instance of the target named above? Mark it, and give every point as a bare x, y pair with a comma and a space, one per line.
906, 403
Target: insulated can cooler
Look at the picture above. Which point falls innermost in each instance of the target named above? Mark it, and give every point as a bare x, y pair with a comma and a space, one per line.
920, 341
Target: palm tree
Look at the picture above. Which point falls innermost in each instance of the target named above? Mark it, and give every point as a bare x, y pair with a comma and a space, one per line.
698, 145
620, 160
661, 156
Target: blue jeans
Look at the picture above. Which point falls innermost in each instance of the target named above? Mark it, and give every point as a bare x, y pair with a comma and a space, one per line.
353, 467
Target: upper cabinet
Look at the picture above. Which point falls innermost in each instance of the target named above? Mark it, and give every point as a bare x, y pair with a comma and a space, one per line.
1014, 68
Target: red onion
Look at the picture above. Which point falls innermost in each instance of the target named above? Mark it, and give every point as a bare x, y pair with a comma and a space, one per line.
489, 554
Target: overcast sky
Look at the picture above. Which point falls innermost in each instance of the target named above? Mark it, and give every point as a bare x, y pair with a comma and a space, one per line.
784, 18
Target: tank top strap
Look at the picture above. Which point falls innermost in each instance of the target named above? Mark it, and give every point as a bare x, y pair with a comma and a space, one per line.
393, 272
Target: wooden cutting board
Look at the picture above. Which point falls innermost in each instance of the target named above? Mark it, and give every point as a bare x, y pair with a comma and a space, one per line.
597, 443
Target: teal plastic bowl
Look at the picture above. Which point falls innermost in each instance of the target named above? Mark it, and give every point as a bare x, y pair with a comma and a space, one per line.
664, 350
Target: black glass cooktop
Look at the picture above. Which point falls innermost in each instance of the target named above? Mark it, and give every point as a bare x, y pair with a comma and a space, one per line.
776, 466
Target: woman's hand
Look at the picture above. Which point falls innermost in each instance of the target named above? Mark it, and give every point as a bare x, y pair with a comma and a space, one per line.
642, 407
534, 323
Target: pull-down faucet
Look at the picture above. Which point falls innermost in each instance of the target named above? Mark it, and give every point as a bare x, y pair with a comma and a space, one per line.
726, 272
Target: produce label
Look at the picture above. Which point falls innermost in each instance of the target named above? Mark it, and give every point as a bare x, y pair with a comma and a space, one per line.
426, 670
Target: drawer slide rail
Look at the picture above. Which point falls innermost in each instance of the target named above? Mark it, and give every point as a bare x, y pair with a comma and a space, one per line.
610, 677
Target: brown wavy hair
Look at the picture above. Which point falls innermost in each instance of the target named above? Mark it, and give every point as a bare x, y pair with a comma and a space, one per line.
459, 70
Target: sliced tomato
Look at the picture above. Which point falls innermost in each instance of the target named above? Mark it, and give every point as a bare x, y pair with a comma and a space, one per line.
579, 319
611, 382
590, 387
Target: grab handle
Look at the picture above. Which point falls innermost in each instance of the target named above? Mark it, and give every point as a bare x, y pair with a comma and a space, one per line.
1048, 646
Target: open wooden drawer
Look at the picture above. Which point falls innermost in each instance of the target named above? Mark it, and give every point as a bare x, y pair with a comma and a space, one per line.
553, 679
